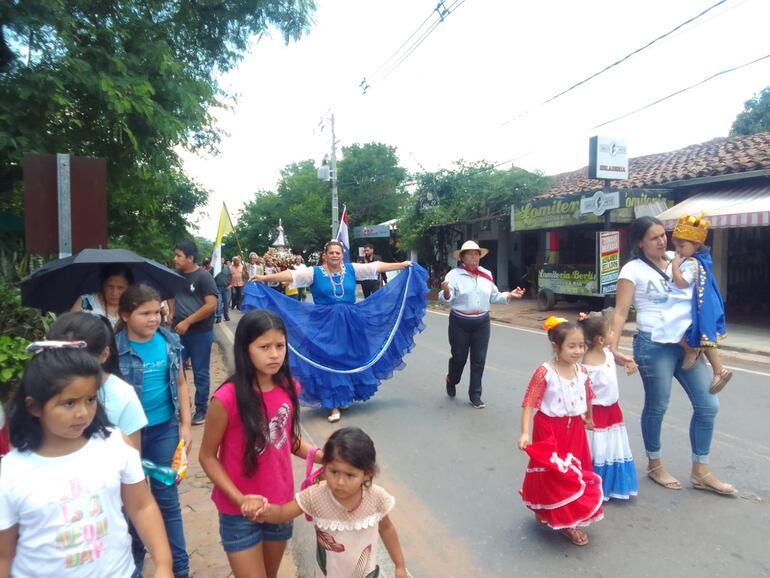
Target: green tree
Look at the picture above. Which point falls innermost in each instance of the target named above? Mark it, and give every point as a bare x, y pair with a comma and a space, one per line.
370, 183
755, 116
469, 191
131, 81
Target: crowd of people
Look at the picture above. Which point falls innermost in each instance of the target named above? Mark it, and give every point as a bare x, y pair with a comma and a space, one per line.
108, 394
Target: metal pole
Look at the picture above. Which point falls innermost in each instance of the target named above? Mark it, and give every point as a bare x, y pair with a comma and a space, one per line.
335, 203
63, 194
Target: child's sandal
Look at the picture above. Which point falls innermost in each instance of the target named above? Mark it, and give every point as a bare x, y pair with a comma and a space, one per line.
690, 358
720, 381
577, 537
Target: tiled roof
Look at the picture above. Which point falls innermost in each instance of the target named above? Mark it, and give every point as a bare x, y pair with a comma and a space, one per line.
720, 156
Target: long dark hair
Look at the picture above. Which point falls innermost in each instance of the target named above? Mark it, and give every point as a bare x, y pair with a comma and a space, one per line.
46, 375
95, 330
593, 326
353, 446
251, 405
637, 231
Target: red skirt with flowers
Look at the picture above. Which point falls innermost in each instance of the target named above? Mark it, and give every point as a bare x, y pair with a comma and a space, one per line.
560, 485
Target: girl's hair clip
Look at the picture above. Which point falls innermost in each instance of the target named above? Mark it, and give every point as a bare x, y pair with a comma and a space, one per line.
582, 316
38, 346
552, 322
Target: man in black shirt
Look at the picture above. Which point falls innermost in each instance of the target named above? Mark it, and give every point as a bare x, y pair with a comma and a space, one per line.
371, 285
193, 320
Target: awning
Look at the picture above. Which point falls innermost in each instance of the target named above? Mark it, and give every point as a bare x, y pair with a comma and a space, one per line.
737, 206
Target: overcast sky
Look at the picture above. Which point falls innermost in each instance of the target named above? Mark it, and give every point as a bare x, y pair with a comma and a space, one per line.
473, 89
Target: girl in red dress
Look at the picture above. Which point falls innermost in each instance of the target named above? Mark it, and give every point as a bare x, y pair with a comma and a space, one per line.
560, 486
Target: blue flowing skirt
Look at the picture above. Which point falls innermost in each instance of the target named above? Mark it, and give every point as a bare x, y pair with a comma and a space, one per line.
341, 352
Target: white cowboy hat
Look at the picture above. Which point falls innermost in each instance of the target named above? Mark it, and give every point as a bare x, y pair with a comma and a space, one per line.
469, 246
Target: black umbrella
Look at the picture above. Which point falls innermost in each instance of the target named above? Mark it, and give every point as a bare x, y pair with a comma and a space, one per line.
56, 285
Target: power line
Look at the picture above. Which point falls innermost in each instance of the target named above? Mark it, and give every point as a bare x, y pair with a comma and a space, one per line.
397, 58
618, 62
678, 92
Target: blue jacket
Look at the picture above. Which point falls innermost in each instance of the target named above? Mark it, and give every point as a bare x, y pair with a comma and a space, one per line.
132, 367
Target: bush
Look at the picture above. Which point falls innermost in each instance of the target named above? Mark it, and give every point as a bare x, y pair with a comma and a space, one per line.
18, 326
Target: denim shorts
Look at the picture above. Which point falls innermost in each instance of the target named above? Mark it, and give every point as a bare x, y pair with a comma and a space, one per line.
239, 533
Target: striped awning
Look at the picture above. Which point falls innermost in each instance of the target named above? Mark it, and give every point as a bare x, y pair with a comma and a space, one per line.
737, 206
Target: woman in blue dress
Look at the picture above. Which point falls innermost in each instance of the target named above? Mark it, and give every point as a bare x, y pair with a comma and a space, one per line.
340, 349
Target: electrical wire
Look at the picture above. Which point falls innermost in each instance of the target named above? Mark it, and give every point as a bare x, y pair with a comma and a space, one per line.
618, 62
678, 92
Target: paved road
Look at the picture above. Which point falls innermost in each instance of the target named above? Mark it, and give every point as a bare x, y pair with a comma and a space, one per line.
455, 472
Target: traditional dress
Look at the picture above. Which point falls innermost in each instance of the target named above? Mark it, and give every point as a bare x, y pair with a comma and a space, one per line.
708, 310
560, 485
340, 350
610, 450
346, 542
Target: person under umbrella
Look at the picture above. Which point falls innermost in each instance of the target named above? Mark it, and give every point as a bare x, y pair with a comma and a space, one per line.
115, 279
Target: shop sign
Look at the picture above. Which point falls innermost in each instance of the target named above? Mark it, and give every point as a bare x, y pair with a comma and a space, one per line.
371, 232
607, 158
608, 261
600, 202
564, 210
568, 279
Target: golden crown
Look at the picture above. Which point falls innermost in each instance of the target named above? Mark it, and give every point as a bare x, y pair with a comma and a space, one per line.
692, 228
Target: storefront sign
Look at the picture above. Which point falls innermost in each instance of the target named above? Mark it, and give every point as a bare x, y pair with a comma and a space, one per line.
564, 210
608, 261
568, 279
600, 202
371, 232
607, 158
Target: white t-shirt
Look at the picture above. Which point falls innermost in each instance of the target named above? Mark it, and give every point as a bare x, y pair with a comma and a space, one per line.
68, 510
97, 307
661, 307
122, 405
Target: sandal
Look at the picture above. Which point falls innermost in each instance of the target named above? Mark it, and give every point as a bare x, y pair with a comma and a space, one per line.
334, 416
671, 484
722, 489
720, 381
691, 357
577, 537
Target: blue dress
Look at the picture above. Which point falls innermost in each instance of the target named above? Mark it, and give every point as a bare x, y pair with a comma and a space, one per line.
708, 310
340, 350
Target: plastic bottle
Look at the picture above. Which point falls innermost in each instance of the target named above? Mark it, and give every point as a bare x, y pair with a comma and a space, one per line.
164, 474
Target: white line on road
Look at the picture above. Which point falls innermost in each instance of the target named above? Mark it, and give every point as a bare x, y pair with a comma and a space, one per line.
538, 332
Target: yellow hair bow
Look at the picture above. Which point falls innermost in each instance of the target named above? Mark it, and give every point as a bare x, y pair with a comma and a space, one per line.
552, 322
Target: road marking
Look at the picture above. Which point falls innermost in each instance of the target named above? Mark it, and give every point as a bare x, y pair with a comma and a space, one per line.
538, 332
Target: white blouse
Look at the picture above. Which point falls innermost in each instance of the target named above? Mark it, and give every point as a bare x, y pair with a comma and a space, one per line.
471, 295
604, 380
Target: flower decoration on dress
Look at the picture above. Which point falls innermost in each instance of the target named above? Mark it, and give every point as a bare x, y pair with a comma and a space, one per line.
38, 346
552, 322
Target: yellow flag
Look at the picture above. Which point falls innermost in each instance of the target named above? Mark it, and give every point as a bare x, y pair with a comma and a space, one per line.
225, 227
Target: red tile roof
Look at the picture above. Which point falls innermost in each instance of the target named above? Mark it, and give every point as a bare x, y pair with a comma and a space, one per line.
720, 156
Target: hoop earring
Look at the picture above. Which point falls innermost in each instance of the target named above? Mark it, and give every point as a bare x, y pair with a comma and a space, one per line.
368, 483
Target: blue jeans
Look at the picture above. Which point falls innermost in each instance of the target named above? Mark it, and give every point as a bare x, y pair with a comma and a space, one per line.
197, 348
238, 533
158, 445
659, 364
223, 303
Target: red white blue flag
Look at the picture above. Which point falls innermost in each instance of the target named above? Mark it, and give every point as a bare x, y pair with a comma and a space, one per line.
342, 234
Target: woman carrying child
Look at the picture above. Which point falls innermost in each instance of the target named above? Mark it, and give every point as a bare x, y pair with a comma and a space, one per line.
560, 486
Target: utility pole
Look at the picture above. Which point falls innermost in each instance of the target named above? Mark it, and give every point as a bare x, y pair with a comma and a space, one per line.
335, 203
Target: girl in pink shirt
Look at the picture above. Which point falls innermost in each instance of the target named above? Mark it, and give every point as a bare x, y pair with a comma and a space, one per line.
252, 429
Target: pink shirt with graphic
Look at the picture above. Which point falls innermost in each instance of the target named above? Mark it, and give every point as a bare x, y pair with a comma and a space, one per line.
273, 478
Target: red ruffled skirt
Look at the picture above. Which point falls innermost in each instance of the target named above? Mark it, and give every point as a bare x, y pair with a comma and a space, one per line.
560, 485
